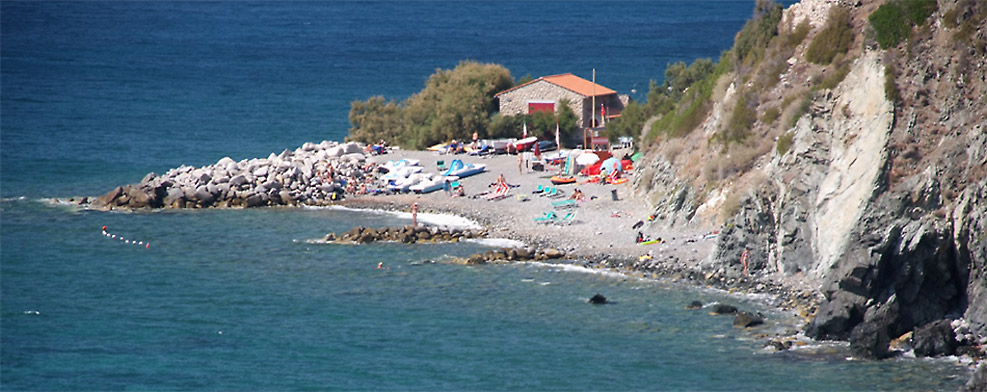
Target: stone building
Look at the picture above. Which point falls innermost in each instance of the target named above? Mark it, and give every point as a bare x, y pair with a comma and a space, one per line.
544, 93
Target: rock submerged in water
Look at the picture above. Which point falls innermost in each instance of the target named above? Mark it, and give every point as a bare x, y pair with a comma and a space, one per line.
747, 320
723, 309
694, 305
597, 299
291, 178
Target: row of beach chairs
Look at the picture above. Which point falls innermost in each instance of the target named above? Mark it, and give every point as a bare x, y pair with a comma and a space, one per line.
548, 191
553, 218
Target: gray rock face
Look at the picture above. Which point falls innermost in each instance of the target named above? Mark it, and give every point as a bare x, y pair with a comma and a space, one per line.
871, 338
978, 382
935, 339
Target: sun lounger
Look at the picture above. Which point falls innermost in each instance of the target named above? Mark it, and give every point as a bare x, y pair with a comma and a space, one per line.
440, 165
567, 219
549, 191
556, 193
547, 217
540, 189
564, 204
500, 193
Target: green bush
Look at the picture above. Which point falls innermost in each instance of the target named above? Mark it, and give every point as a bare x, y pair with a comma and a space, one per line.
770, 115
890, 25
834, 38
741, 121
798, 34
754, 36
692, 106
785, 142
803, 108
834, 78
918, 11
891, 91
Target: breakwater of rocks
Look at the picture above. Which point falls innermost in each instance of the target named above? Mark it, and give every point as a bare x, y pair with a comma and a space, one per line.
407, 234
313, 174
432, 234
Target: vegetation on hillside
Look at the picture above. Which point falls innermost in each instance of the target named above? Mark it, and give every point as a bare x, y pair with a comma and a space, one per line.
454, 104
834, 38
893, 21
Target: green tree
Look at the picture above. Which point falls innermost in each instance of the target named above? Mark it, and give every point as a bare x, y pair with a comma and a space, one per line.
375, 119
454, 104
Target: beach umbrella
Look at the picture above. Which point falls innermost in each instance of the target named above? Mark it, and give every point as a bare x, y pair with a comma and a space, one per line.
609, 165
587, 159
536, 151
637, 156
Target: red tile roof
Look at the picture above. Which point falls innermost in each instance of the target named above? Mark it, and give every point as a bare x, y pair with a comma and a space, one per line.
570, 82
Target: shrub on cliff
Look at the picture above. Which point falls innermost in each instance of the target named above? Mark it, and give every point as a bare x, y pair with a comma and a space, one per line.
889, 25
454, 104
753, 38
834, 38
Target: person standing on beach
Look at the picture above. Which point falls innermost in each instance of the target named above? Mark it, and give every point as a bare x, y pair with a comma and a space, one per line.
744, 257
520, 162
414, 215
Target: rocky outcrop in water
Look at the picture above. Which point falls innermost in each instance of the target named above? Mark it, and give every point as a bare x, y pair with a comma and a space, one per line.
313, 174
407, 234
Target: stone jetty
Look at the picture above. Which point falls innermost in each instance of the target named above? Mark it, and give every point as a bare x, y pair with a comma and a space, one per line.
512, 254
313, 174
407, 234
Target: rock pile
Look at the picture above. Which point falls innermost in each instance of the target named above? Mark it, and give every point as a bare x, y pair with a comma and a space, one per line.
313, 174
512, 254
408, 235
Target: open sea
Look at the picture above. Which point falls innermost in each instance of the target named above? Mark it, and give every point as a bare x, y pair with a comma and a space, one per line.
98, 94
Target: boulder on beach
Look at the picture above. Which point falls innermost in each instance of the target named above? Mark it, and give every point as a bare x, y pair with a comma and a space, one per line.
934, 339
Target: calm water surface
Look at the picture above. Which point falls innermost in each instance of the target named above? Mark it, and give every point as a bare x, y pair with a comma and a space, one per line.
97, 94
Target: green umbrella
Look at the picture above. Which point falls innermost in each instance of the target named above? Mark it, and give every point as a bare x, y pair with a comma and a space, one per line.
637, 156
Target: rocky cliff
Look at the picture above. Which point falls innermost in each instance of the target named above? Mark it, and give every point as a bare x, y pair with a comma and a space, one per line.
870, 190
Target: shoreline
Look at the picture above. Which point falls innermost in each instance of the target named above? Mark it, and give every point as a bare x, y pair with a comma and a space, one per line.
601, 237
801, 302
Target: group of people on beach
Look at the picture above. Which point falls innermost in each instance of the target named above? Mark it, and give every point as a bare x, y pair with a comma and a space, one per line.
377, 149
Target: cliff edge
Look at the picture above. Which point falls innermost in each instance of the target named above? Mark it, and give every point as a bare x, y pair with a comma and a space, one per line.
862, 178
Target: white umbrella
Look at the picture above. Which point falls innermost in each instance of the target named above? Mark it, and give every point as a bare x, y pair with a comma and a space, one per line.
587, 159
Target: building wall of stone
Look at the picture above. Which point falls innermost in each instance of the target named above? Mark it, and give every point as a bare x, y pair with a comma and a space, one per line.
515, 102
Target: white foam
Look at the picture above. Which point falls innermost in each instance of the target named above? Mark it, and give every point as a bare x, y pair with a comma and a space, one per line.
498, 242
578, 268
428, 218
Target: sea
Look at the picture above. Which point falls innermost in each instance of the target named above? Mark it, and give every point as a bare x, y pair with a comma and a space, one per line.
97, 94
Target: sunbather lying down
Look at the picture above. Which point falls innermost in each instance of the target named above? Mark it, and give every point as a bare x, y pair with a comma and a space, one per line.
577, 195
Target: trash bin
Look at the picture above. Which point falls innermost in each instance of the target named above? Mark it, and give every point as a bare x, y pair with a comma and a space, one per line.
613, 195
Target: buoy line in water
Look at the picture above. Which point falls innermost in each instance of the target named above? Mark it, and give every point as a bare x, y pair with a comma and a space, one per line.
147, 245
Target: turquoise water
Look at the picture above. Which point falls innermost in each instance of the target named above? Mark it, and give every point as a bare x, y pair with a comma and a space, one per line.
97, 94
